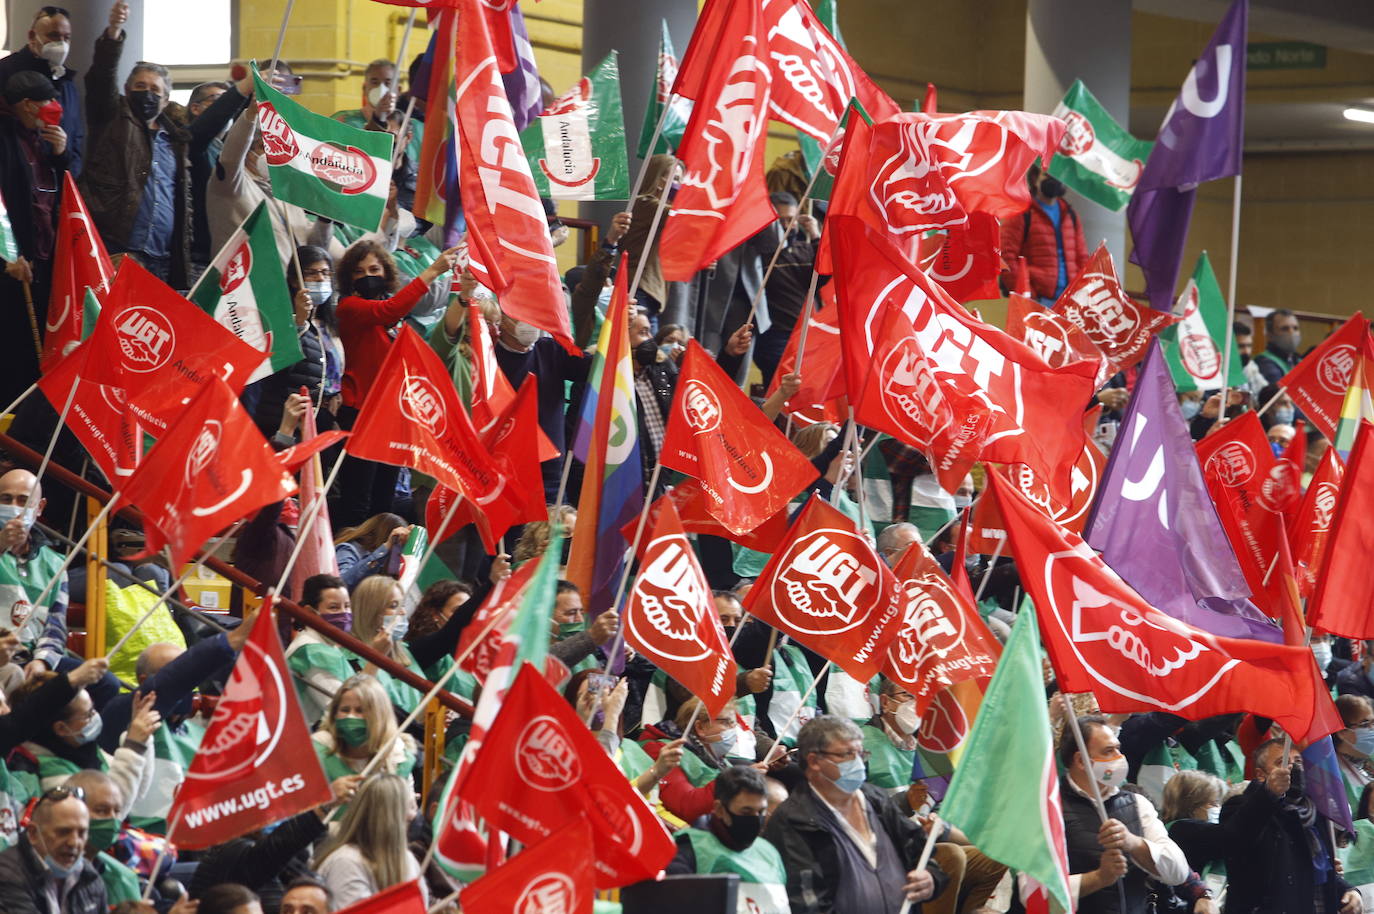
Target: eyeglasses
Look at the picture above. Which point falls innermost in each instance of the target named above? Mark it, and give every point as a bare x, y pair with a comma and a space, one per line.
58, 794
862, 754
317, 274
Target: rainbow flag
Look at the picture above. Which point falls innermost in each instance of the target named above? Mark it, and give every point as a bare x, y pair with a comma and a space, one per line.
1357, 405
943, 736
436, 180
607, 443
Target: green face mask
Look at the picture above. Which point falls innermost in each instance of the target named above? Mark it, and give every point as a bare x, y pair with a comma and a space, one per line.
102, 833
568, 629
352, 731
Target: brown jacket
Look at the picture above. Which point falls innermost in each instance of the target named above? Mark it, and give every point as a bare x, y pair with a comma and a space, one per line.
119, 156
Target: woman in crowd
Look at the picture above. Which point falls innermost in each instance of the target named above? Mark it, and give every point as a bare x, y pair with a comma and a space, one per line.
312, 370
363, 550
357, 725
534, 539
368, 853
379, 618
318, 665
1191, 812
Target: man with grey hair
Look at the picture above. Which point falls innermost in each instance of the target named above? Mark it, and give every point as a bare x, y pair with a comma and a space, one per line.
847, 847
893, 540
47, 869
29, 560
104, 800
378, 103
137, 179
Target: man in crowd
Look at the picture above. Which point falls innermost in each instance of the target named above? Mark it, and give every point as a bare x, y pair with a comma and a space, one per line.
28, 562
847, 847
137, 181
50, 40
788, 283
731, 843
104, 800
1279, 856
33, 160
1048, 235
379, 103
576, 641
894, 540
47, 871
1356, 679
1354, 745
1282, 337
1131, 845
306, 896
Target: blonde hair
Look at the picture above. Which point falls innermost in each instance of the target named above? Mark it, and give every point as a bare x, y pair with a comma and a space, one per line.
1187, 790
689, 707
375, 823
369, 607
534, 540
381, 722
812, 439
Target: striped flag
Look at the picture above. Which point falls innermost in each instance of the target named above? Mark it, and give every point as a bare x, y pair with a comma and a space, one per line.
576, 147
681, 110
321, 165
608, 443
1357, 405
436, 180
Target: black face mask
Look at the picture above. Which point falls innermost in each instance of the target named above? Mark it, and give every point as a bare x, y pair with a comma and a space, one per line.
1297, 779
740, 833
646, 353
373, 288
143, 104
1052, 187
729, 633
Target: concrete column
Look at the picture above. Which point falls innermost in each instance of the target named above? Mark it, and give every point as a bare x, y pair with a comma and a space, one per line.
633, 30
1088, 40
89, 19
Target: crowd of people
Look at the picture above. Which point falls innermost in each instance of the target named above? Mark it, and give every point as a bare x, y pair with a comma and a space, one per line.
820, 794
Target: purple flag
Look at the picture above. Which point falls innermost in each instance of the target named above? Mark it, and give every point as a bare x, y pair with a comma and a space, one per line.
1200, 140
522, 83
1155, 523
1325, 785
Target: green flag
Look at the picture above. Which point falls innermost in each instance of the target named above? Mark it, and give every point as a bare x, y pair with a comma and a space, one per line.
320, 164
1008, 803
1193, 347
678, 114
244, 290
9, 247
576, 147
1097, 157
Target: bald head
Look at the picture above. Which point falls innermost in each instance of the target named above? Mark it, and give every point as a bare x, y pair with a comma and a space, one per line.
154, 658
15, 487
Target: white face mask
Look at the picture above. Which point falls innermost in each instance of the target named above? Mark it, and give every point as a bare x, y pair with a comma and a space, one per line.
376, 94
525, 335
905, 718
10, 512
55, 52
1111, 773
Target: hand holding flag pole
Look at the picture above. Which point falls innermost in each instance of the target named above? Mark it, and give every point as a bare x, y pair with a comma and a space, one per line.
1071, 723
931, 831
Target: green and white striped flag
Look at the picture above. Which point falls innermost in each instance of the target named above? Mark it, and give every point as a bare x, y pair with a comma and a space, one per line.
244, 290
320, 164
1193, 346
1097, 157
576, 147
1008, 804
9, 247
680, 112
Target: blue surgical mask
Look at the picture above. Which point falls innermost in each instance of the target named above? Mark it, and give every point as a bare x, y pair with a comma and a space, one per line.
1277, 448
89, 732
398, 627
58, 870
852, 775
725, 745
1321, 650
319, 292
1364, 741
1284, 415
962, 501
10, 512
1190, 408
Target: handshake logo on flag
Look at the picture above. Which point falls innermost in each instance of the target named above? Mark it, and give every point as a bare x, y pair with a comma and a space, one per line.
278, 139
673, 602
544, 757
144, 338
824, 579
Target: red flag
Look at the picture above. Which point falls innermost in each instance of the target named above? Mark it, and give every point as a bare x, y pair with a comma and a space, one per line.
79, 263
826, 587
970, 259
723, 200
491, 391
1318, 383
692, 506
317, 554
814, 78
412, 417
500, 200
295, 457
1249, 488
211, 468
551, 876
167, 347
821, 383
1103, 638
748, 468
958, 568
915, 172
978, 366
540, 767
940, 639
988, 528
1310, 530
1097, 305
500, 602
250, 770
1054, 338
670, 617
1287, 487
1343, 603
521, 499
100, 416
903, 397
403, 897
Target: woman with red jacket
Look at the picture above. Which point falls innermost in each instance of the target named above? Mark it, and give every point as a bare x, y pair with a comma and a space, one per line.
369, 312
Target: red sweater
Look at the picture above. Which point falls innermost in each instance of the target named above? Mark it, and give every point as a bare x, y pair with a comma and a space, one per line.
363, 326
1037, 244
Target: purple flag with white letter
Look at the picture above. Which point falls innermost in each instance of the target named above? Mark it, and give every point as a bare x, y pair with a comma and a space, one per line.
1154, 521
522, 83
1200, 140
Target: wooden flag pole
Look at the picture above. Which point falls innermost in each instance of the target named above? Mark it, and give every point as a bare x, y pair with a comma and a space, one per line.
629, 562
1231, 298
932, 831
653, 142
